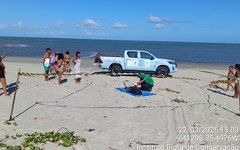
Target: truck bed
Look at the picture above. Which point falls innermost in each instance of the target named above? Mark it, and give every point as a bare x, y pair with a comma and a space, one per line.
107, 55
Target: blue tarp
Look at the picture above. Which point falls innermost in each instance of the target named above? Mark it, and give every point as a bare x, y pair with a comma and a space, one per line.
144, 93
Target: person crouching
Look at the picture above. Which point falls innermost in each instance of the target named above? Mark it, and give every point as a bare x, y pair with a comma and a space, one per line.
146, 82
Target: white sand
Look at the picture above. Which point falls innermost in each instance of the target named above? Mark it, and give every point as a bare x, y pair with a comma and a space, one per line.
118, 125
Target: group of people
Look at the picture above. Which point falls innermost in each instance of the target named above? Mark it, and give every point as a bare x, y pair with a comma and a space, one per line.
233, 76
58, 63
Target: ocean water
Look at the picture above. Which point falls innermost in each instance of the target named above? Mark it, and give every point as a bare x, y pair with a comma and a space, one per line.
185, 52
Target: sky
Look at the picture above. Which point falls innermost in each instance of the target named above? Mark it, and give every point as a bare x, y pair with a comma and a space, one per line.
151, 20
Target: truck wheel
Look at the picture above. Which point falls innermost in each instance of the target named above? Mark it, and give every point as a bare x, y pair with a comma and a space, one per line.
162, 71
115, 69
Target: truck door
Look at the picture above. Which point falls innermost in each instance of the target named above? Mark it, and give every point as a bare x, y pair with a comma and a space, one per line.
132, 60
146, 61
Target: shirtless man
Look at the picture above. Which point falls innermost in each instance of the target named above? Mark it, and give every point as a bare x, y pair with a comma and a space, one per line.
67, 59
46, 62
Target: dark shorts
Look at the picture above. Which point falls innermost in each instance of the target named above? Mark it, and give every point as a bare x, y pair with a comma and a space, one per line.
2, 73
146, 86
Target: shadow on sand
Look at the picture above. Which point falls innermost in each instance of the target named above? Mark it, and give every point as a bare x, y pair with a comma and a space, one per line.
219, 92
10, 88
64, 81
126, 74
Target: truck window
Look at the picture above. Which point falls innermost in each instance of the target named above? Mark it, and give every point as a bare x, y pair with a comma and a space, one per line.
132, 54
146, 55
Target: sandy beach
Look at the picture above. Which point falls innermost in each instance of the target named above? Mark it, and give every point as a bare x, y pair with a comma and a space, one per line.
111, 120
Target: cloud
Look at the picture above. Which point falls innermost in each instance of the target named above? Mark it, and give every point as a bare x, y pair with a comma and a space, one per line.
93, 33
59, 24
119, 25
40, 27
18, 25
159, 23
59, 32
158, 26
2, 27
49, 32
174, 28
154, 19
89, 33
78, 25
90, 22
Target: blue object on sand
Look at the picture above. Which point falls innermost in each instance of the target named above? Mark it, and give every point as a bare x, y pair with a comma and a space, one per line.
144, 93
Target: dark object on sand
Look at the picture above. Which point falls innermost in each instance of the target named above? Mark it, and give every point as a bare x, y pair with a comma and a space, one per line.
170, 90
134, 90
178, 100
90, 130
78, 79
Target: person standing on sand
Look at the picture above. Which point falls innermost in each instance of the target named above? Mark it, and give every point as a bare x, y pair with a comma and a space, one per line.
67, 59
59, 67
230, 77
53, 61
2, 76
237, 76
77, 64
46, 63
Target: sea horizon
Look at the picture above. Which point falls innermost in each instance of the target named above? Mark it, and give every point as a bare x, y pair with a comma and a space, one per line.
106, 39
183, 52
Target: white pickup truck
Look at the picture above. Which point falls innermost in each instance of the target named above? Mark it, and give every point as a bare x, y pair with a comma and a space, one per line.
138, 61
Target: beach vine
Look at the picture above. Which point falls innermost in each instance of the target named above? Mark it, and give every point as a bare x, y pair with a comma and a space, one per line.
33, 140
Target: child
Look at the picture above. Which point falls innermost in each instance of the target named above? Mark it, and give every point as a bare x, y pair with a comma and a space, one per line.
77, 63
237, 76
230, 77
2, 76
59, 67
52, 62
67, 59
